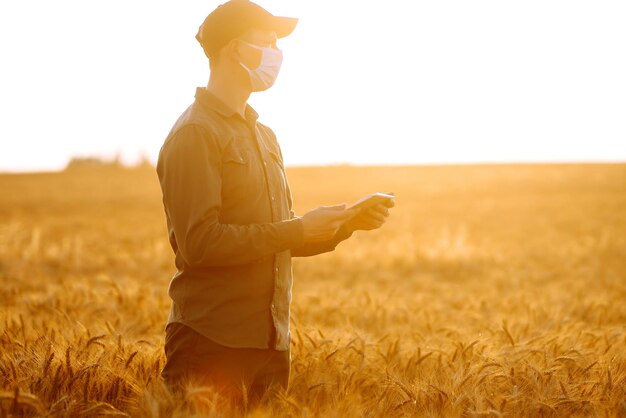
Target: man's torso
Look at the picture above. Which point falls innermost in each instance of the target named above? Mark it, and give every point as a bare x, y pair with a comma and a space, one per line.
240, 305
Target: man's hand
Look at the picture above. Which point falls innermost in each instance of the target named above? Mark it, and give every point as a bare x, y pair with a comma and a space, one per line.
321, 224
372, 218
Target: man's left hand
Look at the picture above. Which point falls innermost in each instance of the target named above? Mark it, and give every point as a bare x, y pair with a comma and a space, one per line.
371, 218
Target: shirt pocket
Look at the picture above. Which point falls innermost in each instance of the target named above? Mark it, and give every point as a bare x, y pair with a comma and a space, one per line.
236, 155
279, 171
276, 158
277, 163
237, 177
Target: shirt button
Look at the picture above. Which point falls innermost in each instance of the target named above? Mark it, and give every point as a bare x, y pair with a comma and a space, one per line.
272, 197
276, 269
264, 162
273, 306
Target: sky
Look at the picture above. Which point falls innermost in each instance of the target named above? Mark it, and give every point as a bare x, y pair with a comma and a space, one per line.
363, 82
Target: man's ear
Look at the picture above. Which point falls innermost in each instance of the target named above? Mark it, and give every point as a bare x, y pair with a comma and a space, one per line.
232, 50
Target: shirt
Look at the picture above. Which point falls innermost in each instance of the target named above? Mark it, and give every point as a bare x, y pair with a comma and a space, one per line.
231, 226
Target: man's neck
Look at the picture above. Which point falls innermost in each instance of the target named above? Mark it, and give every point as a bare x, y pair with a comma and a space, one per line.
229, 92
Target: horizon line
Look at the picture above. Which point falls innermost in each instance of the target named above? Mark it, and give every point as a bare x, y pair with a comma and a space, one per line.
109, 165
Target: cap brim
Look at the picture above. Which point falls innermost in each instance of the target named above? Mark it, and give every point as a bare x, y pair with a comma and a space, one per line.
283, 26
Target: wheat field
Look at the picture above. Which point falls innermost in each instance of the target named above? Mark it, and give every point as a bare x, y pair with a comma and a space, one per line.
492, 291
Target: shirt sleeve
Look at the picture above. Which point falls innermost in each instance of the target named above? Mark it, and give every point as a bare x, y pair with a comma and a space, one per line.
189, 172
316, 248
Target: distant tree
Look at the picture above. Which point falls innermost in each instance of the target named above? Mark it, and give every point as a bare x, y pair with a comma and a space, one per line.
92, 162
144, 161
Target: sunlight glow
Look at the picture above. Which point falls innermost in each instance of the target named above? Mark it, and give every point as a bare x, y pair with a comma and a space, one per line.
362, 83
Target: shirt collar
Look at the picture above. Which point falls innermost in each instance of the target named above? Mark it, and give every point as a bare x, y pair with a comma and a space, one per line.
210, 101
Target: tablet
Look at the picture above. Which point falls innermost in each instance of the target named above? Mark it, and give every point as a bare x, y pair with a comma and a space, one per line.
371, 200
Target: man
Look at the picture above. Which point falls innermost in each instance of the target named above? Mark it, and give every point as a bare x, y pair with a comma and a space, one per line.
230, 217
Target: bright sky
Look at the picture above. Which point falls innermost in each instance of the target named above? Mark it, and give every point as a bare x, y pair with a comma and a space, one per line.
363, 82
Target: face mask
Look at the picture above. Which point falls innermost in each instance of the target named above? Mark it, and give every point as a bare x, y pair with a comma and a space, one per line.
264, 76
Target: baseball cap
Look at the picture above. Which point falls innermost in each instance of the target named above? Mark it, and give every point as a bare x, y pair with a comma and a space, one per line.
234, 18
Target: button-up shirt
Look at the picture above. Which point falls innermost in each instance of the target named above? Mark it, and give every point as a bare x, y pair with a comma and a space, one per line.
231, 225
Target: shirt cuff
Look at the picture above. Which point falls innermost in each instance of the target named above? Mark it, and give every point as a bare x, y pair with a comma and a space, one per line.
343, 233
292, 233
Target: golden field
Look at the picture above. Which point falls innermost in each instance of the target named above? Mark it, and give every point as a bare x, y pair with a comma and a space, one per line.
493, 290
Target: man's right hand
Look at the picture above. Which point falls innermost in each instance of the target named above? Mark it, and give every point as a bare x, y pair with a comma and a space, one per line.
321, 224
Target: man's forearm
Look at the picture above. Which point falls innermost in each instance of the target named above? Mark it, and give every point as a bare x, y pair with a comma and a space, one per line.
222, 245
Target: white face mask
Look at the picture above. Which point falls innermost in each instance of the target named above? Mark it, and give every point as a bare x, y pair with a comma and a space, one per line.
264, 76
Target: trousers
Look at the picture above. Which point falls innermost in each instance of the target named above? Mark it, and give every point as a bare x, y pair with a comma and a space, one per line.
192, 358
